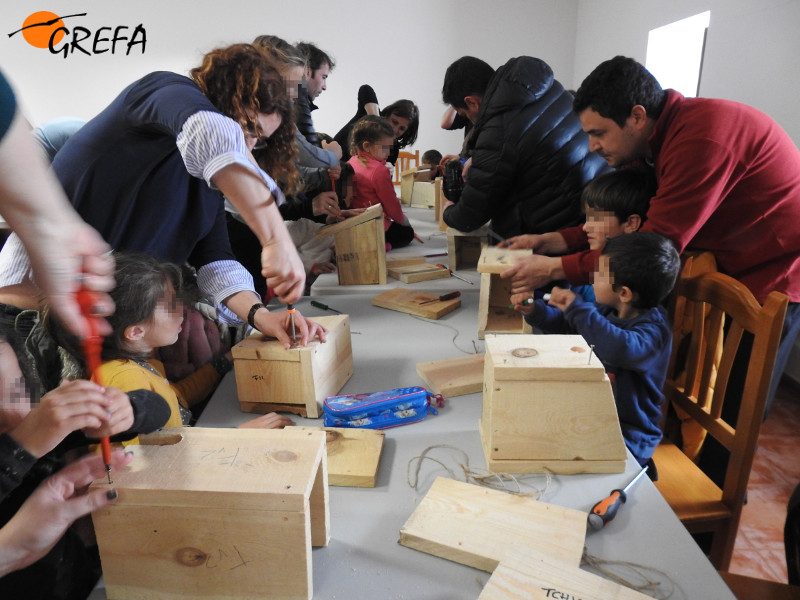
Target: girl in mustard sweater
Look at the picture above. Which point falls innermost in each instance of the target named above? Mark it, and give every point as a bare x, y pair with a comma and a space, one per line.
148, 315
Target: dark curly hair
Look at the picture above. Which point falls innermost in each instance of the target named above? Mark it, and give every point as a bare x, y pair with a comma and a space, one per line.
405, 109
241, 80
616, 86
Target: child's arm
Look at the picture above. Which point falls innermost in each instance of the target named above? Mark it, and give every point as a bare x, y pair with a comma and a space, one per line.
268, 421
614, 345
386, 194
196, 387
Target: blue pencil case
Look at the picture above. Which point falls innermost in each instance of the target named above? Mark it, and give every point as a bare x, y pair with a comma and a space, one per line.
378, 410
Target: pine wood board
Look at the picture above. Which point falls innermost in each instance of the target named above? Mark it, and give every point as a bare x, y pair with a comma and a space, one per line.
408, 301
474, 526
494, 314
353, 455
453, 376
418, 272
404, 261
496, 260
524, 574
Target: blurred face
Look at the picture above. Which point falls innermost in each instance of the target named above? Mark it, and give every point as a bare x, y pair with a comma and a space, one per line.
603, 282
618, 145
380, 149
399, 124
601, 225
268, 123
317, 82
163, 329
293, 76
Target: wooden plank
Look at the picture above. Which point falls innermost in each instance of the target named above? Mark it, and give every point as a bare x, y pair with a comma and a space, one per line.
423, 193
494, 314
464, 249
473, 525
403, 261
525, 574
409, 301
418, 272
543, 358
453, 376
497, 260
353, 455
371, 213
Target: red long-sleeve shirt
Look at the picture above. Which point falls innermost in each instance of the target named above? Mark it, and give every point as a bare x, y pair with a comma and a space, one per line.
729, 183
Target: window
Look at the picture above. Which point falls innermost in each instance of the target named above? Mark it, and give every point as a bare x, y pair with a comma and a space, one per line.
675, 53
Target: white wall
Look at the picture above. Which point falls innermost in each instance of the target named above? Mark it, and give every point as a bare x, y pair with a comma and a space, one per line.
401, 53
751, 48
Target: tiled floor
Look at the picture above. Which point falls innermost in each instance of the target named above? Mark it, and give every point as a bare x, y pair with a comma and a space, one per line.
759, 550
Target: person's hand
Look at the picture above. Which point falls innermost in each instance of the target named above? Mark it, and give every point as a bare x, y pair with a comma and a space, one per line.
561, 298
119, 417
278, 325
319, 268
268, 421
333, 147
74, 256
531, 272
448, 158
72, 406
326, 203
523, 242
335, 172
44, 517
518, 299
465, 168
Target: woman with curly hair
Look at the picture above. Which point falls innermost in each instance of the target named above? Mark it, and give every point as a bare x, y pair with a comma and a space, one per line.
149, 173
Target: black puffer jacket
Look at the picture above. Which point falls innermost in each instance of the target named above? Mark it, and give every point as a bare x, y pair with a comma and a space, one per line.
530, 158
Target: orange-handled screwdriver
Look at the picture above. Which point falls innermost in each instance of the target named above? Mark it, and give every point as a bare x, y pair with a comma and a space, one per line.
92, 348
604, 511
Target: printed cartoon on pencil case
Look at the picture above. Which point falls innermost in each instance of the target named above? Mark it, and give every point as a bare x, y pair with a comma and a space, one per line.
380, 410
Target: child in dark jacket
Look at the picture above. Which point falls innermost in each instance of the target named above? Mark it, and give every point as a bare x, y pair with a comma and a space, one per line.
629, 331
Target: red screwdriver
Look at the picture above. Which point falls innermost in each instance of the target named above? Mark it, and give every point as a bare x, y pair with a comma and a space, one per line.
442, 298
92, 348
604, 511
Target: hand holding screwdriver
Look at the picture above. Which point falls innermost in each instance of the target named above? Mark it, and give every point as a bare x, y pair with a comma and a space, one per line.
604, 511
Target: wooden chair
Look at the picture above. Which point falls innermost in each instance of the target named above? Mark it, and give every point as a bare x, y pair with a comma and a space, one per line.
698, 502
404, 160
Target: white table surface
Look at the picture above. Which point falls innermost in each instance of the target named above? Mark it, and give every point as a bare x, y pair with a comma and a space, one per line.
364, 559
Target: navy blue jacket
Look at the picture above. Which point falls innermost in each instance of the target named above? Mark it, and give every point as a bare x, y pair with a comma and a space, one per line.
530, 158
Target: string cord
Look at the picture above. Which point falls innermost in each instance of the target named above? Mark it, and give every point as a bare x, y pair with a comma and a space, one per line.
457, 333
641, 578
475, 475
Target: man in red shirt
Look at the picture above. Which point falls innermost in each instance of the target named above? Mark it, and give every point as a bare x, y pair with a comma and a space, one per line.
728, 182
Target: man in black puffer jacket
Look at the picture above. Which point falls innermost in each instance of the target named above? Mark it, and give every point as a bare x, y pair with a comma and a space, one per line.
528, 157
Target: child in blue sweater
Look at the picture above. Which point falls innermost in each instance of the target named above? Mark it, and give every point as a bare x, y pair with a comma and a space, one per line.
630, 332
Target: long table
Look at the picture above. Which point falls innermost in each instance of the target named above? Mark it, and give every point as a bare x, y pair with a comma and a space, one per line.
363, 559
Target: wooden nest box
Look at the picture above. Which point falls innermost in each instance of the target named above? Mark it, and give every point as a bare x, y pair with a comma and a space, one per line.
548, 406
360, 246
216, 513
494, 314
271, 378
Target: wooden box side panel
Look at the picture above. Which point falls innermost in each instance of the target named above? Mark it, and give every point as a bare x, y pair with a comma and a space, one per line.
552, 421
177, 553
494, 314
332, 363
423, 193
361, 254
273, 382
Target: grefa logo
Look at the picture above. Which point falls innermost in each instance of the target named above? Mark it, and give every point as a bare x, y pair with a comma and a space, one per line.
44, 29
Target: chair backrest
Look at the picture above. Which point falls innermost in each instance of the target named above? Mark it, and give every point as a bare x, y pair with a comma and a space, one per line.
717, 301
404, 160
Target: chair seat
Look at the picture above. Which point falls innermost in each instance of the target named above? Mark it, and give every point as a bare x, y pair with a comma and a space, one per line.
690, 493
